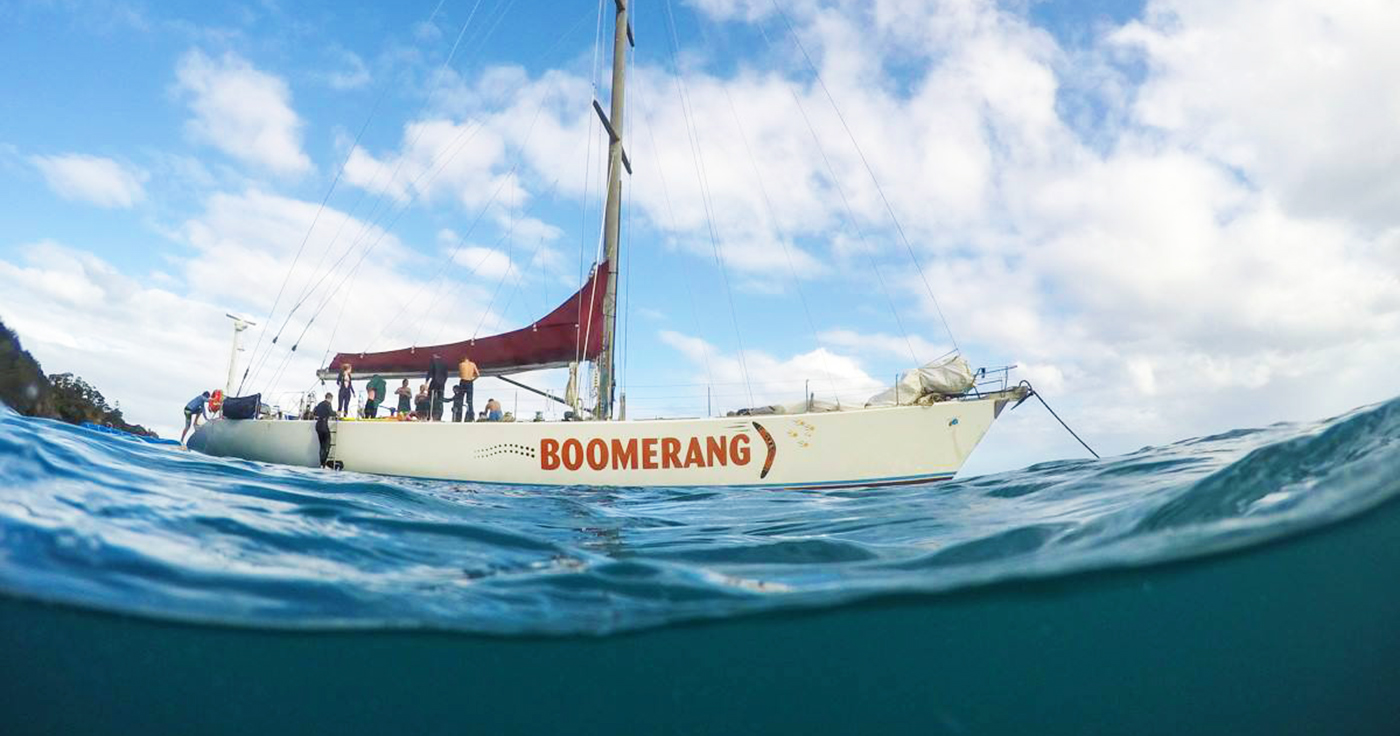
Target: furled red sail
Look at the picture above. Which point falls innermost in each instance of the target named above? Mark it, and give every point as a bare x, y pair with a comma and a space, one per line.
573, 331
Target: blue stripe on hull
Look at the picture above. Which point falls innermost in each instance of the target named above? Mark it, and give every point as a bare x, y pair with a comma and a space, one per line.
824, 485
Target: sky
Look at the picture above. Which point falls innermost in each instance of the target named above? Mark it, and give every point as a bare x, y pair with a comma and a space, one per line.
1175, 217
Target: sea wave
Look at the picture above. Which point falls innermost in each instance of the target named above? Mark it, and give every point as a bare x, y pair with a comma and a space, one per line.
94, 520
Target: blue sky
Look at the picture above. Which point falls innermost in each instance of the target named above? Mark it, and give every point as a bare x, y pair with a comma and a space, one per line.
1111, 194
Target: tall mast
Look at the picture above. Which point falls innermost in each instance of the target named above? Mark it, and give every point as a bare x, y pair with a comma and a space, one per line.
617, 160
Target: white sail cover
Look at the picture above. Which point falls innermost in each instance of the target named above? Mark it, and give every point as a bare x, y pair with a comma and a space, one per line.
951, 376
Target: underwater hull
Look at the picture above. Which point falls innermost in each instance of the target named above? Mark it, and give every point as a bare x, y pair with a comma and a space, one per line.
885, 446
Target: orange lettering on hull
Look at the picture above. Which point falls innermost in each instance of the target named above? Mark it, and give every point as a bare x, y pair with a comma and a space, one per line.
648, 453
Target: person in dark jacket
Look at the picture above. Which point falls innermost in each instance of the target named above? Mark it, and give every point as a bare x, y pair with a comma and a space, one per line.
437, 381
459, 394
323, 413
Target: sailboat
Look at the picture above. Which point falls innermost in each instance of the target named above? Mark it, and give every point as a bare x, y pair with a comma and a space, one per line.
923, 429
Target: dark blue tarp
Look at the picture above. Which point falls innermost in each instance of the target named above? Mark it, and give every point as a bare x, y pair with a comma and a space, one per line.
242, 407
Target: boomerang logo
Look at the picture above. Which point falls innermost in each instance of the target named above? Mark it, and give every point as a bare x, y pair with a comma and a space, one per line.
772, 450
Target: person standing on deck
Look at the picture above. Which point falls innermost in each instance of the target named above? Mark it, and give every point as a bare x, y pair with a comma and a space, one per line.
422, 403
377, 391
437, 381
347, 388
323, 413
194, 411
371, 404
405, 395
458, 393
467, 374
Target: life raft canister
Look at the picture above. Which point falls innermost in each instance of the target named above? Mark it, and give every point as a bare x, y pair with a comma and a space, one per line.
216, 400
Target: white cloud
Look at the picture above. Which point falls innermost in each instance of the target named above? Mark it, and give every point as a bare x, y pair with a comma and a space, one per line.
1225, 246
1297, 94
760, 378
1184, 225
244, 112
137, 344
351, 72
439, 158
488, 263
93, 179
897, 346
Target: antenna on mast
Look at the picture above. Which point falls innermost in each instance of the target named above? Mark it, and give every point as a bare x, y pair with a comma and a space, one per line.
239, 325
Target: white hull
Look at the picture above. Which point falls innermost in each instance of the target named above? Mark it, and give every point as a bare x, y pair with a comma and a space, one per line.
886, 446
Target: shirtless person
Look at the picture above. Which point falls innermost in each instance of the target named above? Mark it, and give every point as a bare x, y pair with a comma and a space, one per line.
467, 374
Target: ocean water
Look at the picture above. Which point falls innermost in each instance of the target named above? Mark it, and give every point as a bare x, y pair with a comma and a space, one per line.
1247, 582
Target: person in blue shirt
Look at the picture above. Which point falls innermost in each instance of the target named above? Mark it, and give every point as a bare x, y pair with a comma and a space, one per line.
194, 411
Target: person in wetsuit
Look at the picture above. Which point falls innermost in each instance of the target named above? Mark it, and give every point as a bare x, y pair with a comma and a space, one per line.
194, 411
437, 381
323, 413
347, 389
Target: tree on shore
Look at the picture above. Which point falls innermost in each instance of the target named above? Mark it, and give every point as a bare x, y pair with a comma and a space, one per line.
63, 396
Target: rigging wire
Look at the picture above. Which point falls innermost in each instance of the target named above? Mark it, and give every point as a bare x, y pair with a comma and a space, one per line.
365, 227
627, 295
851, 219
596, 71
869, 170
519, 285
782, 237
340, 171
415, 190
450, 261
335, 289
671, 220
442, 269
697, 156
625, 268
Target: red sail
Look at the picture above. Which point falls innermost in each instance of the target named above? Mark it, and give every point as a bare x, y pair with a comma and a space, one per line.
573, 331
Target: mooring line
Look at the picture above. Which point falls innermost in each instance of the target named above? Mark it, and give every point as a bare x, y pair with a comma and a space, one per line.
1040, 398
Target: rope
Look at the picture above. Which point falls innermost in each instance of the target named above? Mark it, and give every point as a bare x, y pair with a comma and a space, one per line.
1037, 395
